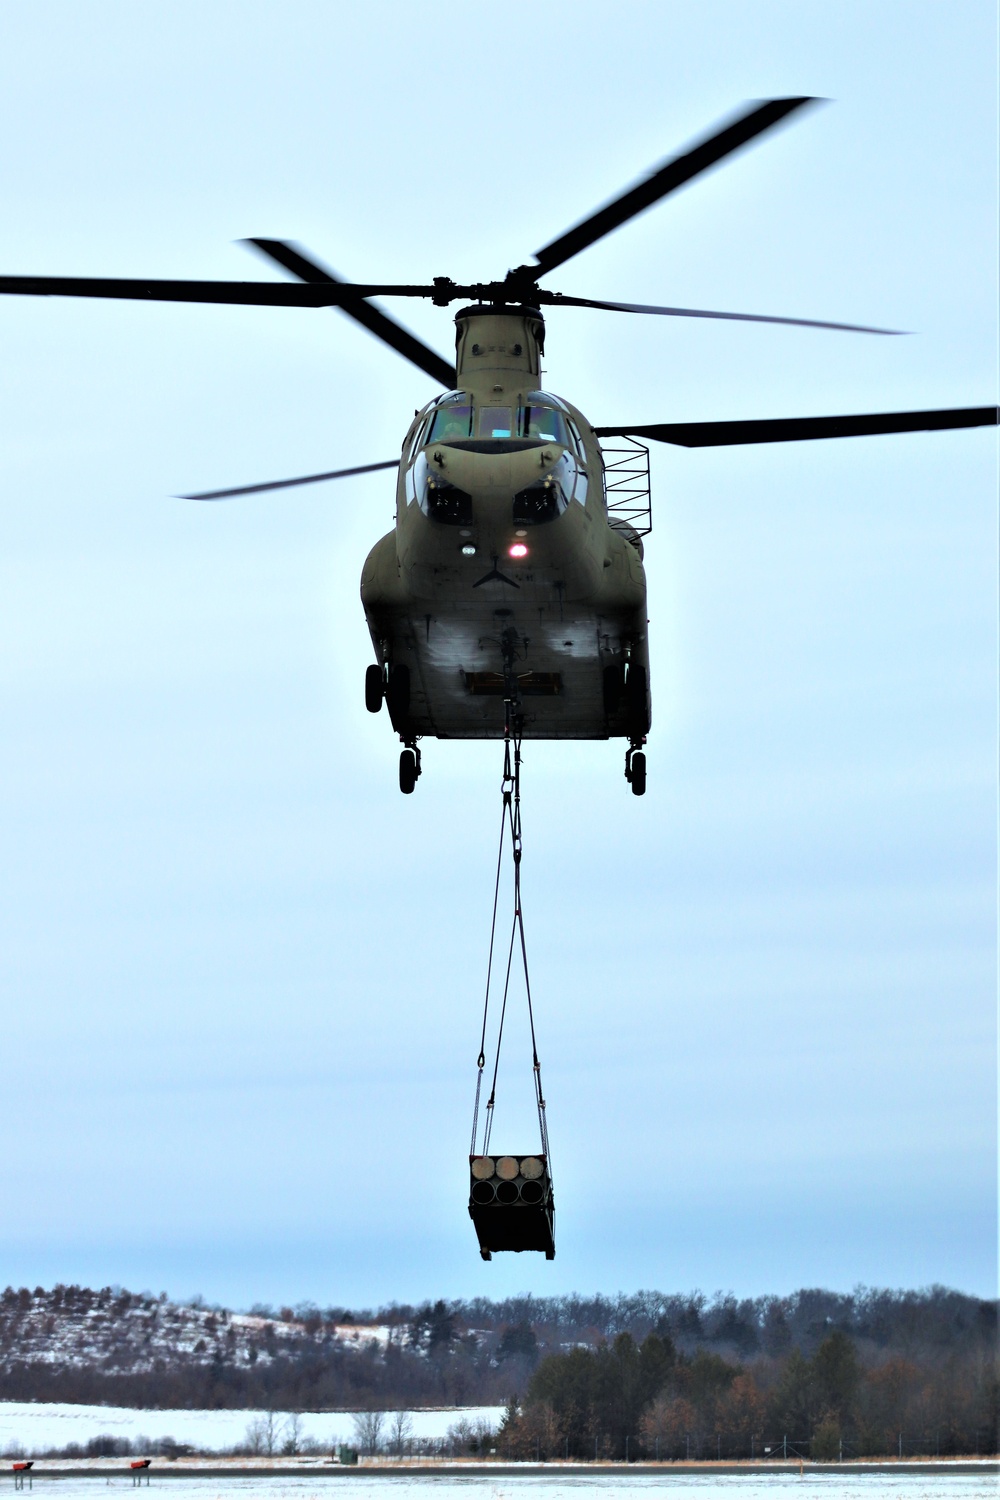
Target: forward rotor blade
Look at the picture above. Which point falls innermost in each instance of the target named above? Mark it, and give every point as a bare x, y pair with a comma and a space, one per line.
555, 299
326, 293
668, 178
795, 429
376, 322
287, 484
247, 293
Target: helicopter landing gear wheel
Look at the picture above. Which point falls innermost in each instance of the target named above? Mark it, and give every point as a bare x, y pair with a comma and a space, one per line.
374, 689
409, 769
635, 769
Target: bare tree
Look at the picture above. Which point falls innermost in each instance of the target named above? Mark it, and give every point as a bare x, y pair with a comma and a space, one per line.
460, 1436
400, 1432
292, 1434
262, 1434
485, 1434
368, 1430
471, 1437
271, 1429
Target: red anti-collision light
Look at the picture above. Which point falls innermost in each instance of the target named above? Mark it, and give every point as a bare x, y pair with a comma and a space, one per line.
517, 550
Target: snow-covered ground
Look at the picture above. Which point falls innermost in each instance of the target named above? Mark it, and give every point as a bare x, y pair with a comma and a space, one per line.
555, 1483
36, 1426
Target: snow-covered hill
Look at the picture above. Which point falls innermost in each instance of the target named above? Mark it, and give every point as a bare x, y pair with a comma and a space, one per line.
72, 1344
116, 1331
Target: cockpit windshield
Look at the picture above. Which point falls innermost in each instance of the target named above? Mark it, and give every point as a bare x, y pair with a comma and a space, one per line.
541, 420
494, 422
452, 419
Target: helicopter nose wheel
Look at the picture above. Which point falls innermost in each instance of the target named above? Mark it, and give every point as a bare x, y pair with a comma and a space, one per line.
409, 769
635, 769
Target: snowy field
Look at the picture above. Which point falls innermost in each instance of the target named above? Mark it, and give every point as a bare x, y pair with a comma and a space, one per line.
556, 1485
35, 1426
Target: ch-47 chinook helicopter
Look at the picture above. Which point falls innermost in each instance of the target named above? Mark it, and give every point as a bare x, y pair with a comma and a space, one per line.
511, 595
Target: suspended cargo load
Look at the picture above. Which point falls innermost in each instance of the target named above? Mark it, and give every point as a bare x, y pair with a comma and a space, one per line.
511, 1204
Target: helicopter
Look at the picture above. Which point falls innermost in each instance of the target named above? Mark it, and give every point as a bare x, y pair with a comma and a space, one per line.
510, 598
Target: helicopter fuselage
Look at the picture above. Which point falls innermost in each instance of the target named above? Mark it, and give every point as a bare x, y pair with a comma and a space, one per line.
503, 583
510, 599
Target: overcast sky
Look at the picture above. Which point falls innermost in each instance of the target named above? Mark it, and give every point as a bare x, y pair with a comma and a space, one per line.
241, 975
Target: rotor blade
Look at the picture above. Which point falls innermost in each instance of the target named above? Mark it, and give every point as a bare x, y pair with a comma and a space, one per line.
248, 293
668, 178
556, 299
795, 429
242, 293
378, 323
287, 484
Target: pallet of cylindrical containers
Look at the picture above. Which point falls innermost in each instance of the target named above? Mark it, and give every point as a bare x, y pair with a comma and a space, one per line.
511, 1205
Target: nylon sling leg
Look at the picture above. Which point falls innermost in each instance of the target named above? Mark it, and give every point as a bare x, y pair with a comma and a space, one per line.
510, 821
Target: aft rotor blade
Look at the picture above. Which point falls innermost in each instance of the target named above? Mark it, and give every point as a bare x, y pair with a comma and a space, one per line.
795, 429
376, 322
555, 299
287, 484
668, 178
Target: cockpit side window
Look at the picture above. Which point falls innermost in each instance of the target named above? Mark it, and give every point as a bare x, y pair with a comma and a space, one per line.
414, 440
574, 433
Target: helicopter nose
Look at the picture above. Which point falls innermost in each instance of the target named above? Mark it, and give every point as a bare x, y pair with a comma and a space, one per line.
508, 469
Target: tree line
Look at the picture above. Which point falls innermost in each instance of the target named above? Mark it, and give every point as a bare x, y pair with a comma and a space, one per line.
627, 1399
679, 1375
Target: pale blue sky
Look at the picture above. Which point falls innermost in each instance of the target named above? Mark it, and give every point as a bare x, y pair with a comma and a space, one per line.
241, 974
